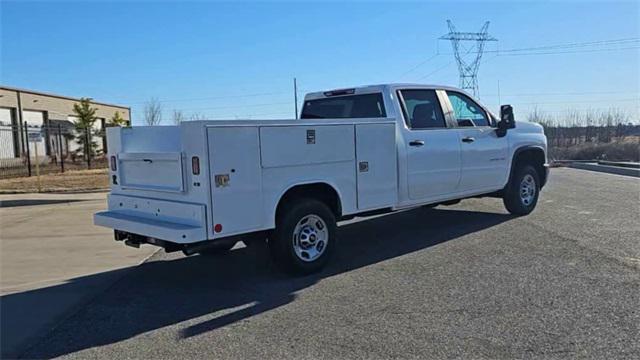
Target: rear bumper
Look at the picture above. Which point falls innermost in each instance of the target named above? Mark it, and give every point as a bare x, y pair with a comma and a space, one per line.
177, 222
158, 229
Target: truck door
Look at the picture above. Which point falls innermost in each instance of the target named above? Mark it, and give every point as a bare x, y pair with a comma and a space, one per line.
484, 154
432, 148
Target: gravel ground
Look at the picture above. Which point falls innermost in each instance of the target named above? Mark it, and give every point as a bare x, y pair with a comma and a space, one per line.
467, 281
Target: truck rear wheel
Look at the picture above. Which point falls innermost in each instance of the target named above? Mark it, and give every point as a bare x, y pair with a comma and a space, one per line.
521, 195
304, 236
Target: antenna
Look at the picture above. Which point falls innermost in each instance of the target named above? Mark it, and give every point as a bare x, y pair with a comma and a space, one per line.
468, 68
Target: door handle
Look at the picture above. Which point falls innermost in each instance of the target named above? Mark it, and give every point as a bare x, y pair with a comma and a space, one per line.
468, 139
416, 143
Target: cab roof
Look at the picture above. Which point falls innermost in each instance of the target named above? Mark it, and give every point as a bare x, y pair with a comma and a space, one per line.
367, 89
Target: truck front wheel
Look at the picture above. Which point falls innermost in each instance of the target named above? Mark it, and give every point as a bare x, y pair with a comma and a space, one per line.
304, 236
521, 195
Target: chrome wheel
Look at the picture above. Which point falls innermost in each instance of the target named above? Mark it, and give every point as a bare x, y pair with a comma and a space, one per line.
527, 190
310, 238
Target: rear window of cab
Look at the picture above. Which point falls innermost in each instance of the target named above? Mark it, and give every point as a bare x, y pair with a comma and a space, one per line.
351, 106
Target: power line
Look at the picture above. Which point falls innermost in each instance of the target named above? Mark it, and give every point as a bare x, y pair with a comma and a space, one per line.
441, 68
566, 93
449, 64
572, 45
569, 111
571, 51
501, 52
436, 70
576, 102
540, 49
418, 65
236, 106
216, 97
243, 116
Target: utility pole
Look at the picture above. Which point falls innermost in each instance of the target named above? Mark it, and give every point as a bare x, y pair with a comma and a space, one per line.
295, 96
468, 68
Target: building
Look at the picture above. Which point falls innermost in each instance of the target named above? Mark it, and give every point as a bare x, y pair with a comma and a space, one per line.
50, 114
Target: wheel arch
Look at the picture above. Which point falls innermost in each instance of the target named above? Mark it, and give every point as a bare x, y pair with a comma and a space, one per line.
530, 154
320, 190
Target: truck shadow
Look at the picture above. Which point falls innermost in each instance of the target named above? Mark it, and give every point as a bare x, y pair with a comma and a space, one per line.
225, 289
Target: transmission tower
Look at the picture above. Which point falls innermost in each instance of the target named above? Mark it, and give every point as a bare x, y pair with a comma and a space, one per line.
468, 68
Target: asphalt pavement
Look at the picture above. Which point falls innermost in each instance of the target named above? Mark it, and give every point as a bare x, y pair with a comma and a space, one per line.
52, 261
465, 281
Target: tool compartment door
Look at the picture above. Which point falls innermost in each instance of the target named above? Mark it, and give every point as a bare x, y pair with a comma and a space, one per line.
235, 178
376, 166
155, 171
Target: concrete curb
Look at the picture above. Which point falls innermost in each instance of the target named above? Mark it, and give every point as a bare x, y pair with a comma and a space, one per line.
625, 171
627, 164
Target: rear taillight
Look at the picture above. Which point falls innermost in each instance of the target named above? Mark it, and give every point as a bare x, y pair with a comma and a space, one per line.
114, 166
195, 165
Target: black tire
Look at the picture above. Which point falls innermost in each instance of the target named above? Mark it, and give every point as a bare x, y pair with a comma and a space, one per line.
281, 241
513, 201
218, 249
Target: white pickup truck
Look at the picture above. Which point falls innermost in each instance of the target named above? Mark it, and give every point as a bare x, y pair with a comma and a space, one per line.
202, 186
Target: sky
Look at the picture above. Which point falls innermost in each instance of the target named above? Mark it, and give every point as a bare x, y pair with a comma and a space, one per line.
238, 59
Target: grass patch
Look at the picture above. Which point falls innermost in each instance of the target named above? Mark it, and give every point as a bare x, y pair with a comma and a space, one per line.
70, 181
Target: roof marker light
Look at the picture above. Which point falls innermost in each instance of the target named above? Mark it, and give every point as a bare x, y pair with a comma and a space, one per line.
340, 92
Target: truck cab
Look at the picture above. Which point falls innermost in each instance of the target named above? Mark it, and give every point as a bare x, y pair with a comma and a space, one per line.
203, 186
448, 144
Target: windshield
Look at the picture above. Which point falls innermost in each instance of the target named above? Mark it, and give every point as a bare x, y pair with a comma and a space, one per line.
352, 106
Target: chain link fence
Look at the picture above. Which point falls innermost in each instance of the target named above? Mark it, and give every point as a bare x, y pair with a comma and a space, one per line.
61, 149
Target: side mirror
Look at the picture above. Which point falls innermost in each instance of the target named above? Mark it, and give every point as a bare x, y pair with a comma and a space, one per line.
507, 120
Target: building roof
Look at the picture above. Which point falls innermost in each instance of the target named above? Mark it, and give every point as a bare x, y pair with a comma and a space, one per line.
27, 91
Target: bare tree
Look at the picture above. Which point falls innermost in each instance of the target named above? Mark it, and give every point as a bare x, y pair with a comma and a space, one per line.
153, 112
540, 117
197, 116
178, 117
588, 134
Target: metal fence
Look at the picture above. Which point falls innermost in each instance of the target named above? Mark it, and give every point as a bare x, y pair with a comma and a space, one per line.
60, 150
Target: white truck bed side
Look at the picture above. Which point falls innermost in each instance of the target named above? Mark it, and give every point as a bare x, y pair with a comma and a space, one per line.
245, 169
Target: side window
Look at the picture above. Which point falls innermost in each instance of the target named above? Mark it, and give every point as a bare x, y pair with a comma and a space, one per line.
422, 109
466, 111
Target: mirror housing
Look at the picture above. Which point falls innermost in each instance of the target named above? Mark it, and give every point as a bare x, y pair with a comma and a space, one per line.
507, 120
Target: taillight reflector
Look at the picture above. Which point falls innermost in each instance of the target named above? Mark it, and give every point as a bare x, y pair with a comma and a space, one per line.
114, 166
195, 165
